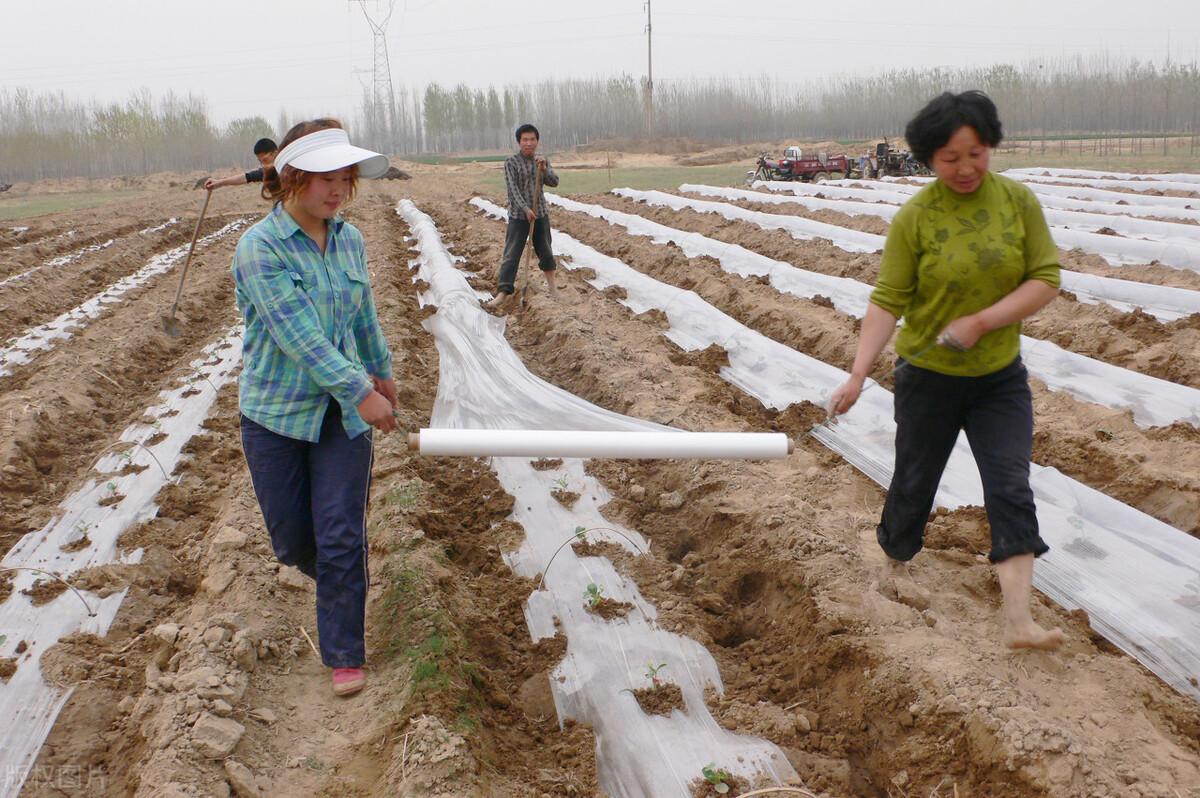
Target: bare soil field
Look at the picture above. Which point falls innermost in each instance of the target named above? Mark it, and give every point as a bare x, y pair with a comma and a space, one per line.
206, 684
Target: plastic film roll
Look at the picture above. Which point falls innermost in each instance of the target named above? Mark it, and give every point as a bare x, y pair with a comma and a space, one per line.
625, 445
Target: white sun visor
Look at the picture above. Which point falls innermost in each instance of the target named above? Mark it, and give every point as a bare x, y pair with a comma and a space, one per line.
327, 151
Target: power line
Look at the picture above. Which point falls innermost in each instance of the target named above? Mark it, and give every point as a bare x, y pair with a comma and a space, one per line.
382, 95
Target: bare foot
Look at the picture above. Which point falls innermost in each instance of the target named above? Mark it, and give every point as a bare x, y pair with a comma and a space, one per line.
1020, 631
499, 301
896, 584
894, 568
1032, 636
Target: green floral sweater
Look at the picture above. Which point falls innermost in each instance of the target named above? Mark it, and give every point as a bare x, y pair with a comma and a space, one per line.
949, 255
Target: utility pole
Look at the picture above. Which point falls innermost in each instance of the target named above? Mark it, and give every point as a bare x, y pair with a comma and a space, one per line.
383, 99
649, 73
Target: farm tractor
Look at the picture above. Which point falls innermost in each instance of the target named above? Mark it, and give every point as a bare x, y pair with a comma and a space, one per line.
794, 166
891, 162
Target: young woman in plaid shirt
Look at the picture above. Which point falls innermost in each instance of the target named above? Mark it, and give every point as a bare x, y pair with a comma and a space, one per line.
316, 377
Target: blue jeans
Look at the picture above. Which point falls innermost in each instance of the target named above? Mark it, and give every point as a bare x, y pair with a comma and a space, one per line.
313, 497
996, 411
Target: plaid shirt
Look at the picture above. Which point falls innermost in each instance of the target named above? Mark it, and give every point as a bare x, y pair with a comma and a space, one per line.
311, 327
520, 178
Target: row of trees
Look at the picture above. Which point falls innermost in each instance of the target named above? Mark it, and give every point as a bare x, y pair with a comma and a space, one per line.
49, 135
1067, 95
574, 111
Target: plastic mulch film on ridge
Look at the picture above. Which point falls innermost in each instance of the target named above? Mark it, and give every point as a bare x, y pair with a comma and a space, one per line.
483, 384
1136, 577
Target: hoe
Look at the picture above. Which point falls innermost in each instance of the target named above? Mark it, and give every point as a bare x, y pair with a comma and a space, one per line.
170, 324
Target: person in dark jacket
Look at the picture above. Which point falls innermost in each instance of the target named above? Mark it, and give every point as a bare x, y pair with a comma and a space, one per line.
520, 175
264, 151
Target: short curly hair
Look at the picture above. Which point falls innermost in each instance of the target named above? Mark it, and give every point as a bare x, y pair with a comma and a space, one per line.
932, 127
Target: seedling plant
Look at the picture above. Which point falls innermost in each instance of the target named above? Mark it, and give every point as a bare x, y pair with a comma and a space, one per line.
594, 596
717, 777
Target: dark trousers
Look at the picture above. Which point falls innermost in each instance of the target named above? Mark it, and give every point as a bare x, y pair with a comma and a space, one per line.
514, 246
996, 411
313, 498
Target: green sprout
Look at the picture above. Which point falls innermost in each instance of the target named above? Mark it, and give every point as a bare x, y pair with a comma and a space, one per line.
717, 777
652, 674
594, 596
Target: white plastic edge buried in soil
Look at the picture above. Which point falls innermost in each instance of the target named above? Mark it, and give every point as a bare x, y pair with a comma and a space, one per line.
157, 227
897, 193
19, 351
1117, 251
28, 705
1183, 177
1148, 229
60, 261
1136, 577
483, 384
1101, 199
1163, 302
66, 260
1153, 401
1095, 182
44, 240
1082, 192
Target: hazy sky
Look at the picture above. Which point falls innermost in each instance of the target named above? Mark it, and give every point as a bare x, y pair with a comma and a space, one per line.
314, 56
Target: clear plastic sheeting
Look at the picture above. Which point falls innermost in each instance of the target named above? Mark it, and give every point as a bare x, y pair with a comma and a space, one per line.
483, 385
590, 443
1136, 577
848, 295
1163, 302
158, 227
1092, 200
23, 349
1153, 401
59, 262
850, 208
804, 229
839, 189
1120, 197
28, 704
1180, 253
1182, 177
1099, 182
1151, 229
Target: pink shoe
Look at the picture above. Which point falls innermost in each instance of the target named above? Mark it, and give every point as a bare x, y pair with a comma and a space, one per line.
348, 681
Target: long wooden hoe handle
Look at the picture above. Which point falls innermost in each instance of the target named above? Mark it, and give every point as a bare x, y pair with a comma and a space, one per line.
537, 190
191, 250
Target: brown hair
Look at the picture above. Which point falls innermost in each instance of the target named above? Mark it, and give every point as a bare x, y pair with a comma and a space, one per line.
281, 187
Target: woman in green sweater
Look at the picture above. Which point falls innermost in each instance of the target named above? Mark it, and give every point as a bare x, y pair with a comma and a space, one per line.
966, 259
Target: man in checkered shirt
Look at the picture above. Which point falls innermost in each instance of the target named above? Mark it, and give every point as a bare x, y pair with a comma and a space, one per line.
520, 175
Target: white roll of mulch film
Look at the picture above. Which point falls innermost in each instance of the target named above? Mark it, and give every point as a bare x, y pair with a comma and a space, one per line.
582, 443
